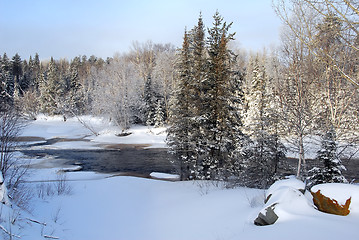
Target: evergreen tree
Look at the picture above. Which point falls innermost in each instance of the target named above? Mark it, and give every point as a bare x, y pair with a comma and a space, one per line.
179, 136
333, 167
205, 132
7, 80
51, 89
26, 77
199, 68
265, 150
16, 68
150, 102
34, 72
3, 93
74, 98
255, 117
160, 114
221, 125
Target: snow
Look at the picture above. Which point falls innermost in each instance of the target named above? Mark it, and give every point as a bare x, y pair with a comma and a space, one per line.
2, 188
291, 181
164, 176
136, 208
102, 206
56, 127
139, 135
288, 199
312, 145
51, 127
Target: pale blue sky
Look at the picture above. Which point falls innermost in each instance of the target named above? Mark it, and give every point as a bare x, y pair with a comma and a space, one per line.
68, 28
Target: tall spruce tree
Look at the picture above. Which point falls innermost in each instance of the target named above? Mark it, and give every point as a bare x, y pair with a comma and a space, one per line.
205, 132
3, 94
51, 89
74, 95
179, 136
159, 114
198, 54
36, 71
221, 125
150, 102
8, 82
16, 68
26, 77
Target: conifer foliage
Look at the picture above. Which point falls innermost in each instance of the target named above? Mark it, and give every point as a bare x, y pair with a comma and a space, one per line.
179, 134
205, 130
333, 167
265, 150
51, 89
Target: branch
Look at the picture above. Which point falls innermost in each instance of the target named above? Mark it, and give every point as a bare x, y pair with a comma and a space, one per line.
85, 124
50, 237
8, 233
282, 13
35, 221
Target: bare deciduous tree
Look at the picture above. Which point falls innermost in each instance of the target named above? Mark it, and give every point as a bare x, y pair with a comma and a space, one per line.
347, 12
11, 170
120, 82
295, 91
164, 74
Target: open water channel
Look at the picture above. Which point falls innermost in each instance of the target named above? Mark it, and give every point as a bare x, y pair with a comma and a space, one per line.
131, 159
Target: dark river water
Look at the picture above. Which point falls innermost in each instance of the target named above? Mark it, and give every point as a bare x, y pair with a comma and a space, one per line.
136, 159
129, 160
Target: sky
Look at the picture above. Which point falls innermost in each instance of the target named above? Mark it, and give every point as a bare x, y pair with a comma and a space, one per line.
69, 28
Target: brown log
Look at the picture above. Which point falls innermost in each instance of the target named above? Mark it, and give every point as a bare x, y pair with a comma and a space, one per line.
328, 205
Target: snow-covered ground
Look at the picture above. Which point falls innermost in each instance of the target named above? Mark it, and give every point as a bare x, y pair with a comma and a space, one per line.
100, 206
54, 127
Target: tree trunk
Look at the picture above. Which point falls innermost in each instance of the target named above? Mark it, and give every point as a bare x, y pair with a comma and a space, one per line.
301, 159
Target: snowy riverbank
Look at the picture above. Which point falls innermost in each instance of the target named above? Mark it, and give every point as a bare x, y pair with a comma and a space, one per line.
101, 206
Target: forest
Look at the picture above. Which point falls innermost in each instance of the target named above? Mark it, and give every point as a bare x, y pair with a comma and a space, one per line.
231, 115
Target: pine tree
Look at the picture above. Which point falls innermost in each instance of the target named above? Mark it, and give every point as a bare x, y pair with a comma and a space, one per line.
36, 70
265, 150
150, 102
198, 107
3, 94
179, 136
16, 68
221, 126
206, 124
7, 81
26, 77
159, 114
333, 167
198, 54
75, 97
255, 117
51, 89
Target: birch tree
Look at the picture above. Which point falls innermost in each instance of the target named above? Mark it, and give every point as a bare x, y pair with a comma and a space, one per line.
346, 11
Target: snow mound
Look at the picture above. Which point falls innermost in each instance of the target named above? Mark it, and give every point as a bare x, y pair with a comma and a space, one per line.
291, 182
164, 176
287, 200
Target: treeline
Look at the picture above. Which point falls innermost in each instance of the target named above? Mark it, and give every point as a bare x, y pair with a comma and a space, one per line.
129, 88
228, 112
